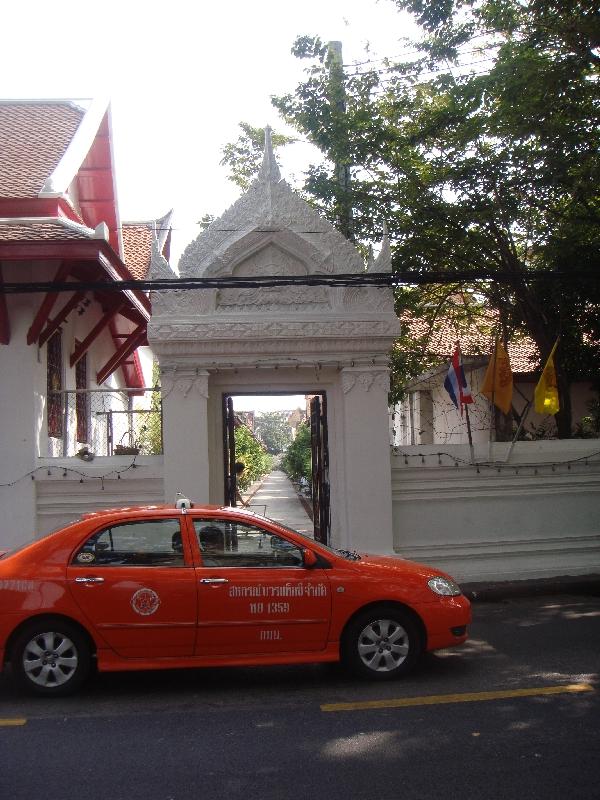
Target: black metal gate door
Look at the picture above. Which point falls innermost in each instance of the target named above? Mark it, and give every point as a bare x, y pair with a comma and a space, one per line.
230, 485
320, 468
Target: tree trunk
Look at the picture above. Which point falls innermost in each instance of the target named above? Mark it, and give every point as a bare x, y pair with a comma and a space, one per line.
563, 417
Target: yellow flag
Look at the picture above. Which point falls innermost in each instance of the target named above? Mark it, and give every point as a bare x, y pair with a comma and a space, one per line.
498, 382
546, 391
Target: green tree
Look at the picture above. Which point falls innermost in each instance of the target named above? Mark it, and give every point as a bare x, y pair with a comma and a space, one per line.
243, 157
481, 152
148, 426
297, 459
257, 462
273, 430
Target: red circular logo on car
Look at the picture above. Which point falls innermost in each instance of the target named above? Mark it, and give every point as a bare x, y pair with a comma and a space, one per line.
145, 602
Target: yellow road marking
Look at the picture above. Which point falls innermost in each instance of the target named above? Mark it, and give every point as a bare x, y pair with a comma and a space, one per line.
12, 723
470, 697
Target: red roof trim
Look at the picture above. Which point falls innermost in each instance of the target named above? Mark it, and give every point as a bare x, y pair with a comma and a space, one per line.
38, 207
77, 250
4, 321
46, 306
134, 340
81, 348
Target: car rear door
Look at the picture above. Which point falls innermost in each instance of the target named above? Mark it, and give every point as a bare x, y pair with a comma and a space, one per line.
134, 581
255, 596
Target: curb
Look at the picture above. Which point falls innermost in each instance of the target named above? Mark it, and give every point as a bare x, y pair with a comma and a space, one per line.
490, 592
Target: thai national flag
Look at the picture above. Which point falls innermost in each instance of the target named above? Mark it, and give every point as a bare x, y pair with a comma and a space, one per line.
456, 383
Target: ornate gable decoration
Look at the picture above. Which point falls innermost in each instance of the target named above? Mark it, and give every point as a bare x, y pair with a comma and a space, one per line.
269, 212
272, 231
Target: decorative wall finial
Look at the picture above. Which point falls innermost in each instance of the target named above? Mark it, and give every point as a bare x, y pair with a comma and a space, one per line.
383, 262
159, 266
269, 170
370, 260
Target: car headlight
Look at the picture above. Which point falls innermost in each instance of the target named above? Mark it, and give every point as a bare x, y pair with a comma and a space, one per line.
443, 586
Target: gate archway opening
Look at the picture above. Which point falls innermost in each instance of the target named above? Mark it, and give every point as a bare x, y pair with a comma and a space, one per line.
311, 487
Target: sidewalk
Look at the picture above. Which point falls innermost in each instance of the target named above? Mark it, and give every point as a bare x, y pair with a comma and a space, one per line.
276, 498
494, 592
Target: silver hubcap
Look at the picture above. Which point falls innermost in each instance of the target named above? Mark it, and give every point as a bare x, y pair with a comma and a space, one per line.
383, 645
50, 659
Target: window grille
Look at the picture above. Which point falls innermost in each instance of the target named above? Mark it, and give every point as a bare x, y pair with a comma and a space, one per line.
54, 374
82, 401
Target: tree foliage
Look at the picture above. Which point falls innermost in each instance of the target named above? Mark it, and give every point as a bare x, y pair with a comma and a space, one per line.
243, 157
297, 459
257, 462
273, 430
481, 151
148, 433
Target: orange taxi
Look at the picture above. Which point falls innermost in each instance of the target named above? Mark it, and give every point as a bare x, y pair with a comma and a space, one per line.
184, 586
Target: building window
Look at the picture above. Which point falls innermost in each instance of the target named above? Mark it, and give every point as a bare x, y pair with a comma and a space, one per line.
55, 385
82, 401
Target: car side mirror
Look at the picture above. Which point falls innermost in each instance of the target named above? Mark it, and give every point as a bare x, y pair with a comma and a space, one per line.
310, 559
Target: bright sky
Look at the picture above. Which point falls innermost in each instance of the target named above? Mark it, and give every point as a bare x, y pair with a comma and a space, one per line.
271, 402
181, 76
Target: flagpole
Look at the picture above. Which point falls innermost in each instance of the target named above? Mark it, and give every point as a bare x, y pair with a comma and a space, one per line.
470, 435
493, 408
518, 431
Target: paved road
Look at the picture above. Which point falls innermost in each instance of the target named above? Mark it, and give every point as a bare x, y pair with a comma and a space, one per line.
268, 733
277, 499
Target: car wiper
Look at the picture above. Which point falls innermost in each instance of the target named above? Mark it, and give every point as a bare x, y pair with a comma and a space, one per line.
351, 555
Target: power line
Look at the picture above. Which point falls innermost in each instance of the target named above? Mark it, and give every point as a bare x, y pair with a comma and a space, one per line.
366, 279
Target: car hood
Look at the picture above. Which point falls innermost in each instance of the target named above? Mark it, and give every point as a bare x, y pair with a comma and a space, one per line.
397, 564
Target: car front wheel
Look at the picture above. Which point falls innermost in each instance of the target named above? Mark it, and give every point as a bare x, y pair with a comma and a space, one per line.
381, 644
50, 658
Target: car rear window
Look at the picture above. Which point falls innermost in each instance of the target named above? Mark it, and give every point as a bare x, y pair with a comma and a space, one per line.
140, 543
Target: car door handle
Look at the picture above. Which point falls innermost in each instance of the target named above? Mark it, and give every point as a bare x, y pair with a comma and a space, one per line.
89, 579
214, 580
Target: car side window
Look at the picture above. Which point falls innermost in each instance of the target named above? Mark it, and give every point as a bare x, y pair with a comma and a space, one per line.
233, 544
143, 543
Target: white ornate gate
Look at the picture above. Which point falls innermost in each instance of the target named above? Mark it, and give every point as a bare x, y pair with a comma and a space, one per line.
297, 339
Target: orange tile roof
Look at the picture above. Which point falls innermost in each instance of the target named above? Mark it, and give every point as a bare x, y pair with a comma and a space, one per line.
33, 139
137, 248
37, 231
522, 351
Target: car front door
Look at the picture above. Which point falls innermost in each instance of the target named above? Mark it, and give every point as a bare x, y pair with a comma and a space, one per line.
255, 596
134, 583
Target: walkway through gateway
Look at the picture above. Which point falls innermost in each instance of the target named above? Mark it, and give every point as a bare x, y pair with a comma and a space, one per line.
277, 491
277, 499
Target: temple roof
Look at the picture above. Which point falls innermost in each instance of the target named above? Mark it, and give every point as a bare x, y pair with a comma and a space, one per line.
34, 136
441, 342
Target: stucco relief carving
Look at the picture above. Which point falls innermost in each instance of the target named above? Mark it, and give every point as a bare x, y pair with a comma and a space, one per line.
291, 298
269, 260
159, 266
365, 380
253, 353
370, 297
184, 383
351, 329
194, 302
269, 208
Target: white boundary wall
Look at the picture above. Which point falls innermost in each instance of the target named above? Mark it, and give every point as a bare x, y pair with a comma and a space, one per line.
537, 516
110, 482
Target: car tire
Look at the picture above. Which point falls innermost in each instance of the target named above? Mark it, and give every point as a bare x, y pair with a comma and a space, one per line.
51, 658
381, 643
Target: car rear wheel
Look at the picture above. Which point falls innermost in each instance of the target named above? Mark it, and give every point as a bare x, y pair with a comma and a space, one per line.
50, 658
381, 644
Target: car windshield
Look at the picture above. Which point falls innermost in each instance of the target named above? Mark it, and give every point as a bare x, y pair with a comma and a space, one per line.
350, 555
